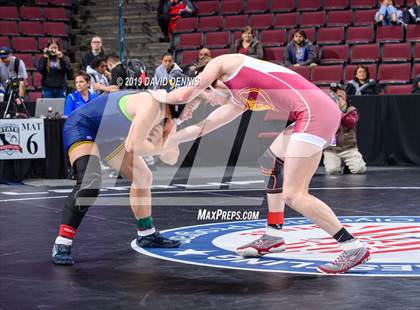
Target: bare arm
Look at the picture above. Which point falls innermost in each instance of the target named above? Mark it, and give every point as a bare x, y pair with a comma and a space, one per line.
215, 120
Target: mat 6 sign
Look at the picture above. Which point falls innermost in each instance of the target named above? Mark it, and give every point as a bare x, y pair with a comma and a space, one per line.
22, 139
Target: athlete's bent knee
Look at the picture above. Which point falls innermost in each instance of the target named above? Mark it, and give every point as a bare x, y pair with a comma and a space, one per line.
272, 169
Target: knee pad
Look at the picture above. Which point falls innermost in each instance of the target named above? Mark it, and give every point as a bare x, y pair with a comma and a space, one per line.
87, 170
272, 169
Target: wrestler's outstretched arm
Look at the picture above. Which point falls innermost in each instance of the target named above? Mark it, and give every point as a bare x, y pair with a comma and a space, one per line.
214, 120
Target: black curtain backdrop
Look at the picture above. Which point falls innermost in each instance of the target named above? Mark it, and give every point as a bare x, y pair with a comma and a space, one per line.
388, 134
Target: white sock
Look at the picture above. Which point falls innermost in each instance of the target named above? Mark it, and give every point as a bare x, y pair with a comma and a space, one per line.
62, 240
273, 232
146, 232
351, 245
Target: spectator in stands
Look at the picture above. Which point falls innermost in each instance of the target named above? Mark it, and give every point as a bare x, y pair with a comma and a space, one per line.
118, 72
13, 67
388, 14
167, 74
362, 84
343, 147
96, 50
300, 51
99, 82
191, 68
81, 95
54, 67
248, 45
169, 12
416, 85
412, 14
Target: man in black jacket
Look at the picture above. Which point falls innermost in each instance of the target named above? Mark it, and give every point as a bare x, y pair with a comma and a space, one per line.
95, 51
118, 72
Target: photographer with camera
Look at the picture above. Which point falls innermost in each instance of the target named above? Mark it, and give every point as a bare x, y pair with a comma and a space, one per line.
54, 67
343, 147
13, 80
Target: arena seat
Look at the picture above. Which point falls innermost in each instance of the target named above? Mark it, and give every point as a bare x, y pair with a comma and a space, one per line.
219, 51
190, 40
261, 21
304, 71
24, 44
274, 54
349, 71
282, 5
308, 5
335, 4
390, 34
416, 71
286, 20
189, 57
334, 54
413, 33
256, 7
28, 61
56, 14
400, 3
275, 37
399, 52
210, 23
364, 53
31, 13
364, 17
186, 25
232, 7
4, 41
235, 22
361, 34
32, 28
37, 78
34, 95
219, 39
207, 8
41, 2
363, 4
312, 19
330, 35
9, 28
56, 29
416, 55
339, 18
9, 13
325, 75
394, 73
398, 89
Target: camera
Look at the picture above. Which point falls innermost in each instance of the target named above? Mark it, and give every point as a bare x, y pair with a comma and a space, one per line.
12, 84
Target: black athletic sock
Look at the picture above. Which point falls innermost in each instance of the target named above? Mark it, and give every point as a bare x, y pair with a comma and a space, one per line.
343, 235
276, 226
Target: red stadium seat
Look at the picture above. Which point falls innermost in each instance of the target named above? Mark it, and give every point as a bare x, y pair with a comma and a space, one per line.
273, 37
363, 34
394, 73
324, 75
261, 21
27, 60
365, 53
335, 4
56, 29
339, 18
186, 25
206, 8
31, 13
9, 13
24, 45
219, 51
37, 78
286, 20
333, 35
282, 5
5, 41
190, 40
310, 34
37, 58
304, 71
398, 89
34, 95
308, 5
235, 22
217, 39
364, 17
56, 14
390, 34
312, 19
399, 52
41, 2
210, 23
189, 57
274, 54
416, 71
31, 28
363, 4
9, 28
233, 7
256, 6
61, 2
334, 54
400, 3
413, 33
29, 83
350, 70
417, 52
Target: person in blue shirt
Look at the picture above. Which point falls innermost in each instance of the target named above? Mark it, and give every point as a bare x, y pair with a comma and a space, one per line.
81, 95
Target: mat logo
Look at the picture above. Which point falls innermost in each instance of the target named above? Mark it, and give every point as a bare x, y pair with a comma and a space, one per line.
394, 243
9, 139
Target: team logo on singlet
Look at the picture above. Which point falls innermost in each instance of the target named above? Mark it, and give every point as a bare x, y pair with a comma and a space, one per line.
255, 99
9, 139
394, 243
